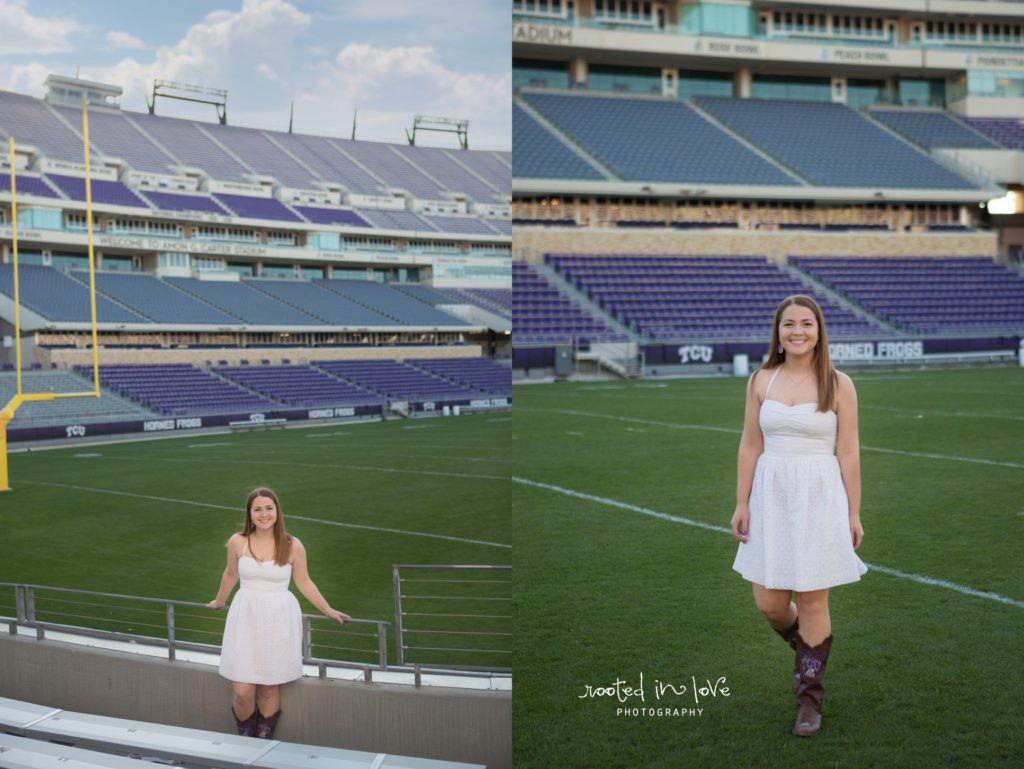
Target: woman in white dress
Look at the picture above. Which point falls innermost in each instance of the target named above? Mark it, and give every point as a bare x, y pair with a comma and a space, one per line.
798, 494
262, 646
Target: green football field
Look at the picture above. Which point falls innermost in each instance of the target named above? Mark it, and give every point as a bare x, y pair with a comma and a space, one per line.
151, 519
624, 492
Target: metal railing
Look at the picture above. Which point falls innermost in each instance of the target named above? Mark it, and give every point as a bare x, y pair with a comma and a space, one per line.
170, 624
464, 614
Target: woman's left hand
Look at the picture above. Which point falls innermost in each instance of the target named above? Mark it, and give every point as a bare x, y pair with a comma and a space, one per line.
340, 616
856, 532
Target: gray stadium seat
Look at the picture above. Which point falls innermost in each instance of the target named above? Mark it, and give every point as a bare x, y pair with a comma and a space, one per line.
21, 753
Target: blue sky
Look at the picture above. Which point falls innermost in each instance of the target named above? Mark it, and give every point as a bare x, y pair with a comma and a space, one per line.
388, 59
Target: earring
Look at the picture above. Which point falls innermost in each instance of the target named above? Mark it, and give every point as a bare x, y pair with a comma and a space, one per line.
780, 348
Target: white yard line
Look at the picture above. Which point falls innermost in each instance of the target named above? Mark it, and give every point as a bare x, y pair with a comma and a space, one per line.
964, 589
240, 509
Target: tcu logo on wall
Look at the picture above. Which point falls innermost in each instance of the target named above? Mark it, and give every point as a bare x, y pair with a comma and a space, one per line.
696, 352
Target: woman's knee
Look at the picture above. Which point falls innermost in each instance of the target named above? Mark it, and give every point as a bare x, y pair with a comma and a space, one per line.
773, 604
814, 602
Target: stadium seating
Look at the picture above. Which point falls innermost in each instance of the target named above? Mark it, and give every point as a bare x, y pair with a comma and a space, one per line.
58, 297
466, 225
108, 407
449, 170
932, 128
191, 146
257, 149
698, 297
656, 140
322, 153
245, 302
173, 201
539, 155
256, 208
297, 385
319, 302
496, 300
177, 389
928, 295
27, 185
478, 373
156, 299
30, 121
389, 165
116, 136
103, 191
542, 313
831, 144
343, 216
397, 380
398, 306
390, 219
1009, 132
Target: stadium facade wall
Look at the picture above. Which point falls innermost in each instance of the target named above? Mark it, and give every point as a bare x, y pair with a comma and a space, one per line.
450, 724
66, 357
531, 243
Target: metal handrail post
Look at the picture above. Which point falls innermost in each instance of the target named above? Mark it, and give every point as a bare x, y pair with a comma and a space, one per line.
19, 603
307, 638
382, 645
170, 631
30, 605
396, 586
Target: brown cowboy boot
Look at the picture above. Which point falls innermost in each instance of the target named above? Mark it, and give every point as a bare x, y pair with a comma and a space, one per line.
789, 635
811, 690
265, 725
247, 727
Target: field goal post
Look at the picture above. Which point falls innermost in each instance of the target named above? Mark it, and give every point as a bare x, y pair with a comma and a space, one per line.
20, 397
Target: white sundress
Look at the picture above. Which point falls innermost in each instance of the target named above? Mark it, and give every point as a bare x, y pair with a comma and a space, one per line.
799, 533
263, 633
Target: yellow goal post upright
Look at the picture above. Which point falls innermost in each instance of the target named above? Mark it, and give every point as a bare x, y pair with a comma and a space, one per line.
20, 397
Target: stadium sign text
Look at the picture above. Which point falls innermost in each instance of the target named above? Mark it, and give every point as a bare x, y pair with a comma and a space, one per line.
184, 423
529, 33
696, 353
875, 350
75, 431
347, 411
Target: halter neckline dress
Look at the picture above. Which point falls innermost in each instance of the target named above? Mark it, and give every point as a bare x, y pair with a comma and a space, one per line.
798, 537
263, 633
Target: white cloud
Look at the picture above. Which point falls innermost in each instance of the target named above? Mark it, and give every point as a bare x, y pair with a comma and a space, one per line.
24, 33
219, 50
375, 79
117, 39
28, 78
272, 76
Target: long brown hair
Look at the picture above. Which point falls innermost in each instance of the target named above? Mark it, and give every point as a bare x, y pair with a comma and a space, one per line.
822, 363
282, 542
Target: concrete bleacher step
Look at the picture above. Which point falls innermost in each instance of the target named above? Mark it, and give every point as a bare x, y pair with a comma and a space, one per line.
555, 279
567, 140
98, 741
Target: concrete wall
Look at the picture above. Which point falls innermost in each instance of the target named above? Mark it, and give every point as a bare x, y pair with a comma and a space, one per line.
451, 724
531, 243
65, 358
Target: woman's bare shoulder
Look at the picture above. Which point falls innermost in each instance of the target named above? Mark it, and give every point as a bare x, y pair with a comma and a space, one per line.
235, 542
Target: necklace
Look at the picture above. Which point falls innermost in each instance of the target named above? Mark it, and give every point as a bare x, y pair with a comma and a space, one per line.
795, 383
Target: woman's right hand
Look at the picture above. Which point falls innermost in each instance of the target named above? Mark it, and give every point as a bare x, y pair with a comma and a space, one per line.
740, 522
215, 605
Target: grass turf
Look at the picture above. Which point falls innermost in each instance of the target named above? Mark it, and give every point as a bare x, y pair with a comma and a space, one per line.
920, 675
151, 519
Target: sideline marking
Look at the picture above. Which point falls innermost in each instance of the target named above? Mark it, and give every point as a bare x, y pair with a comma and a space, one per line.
238, 509
700, 524
682, 426
86, 456
205, 445
328, 467
969, 414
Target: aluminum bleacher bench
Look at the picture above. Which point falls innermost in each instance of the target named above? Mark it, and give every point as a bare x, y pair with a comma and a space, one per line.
193, 747
22, 753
